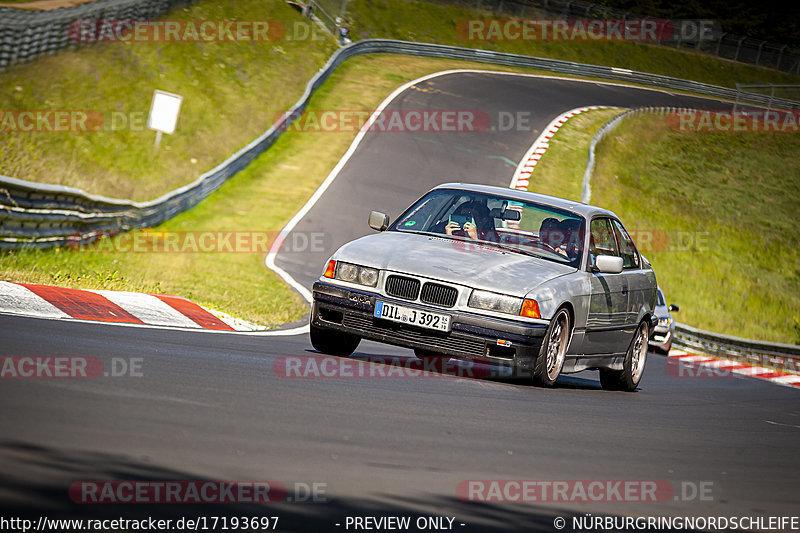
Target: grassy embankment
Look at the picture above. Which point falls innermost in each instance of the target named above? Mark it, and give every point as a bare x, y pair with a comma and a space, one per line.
714, 212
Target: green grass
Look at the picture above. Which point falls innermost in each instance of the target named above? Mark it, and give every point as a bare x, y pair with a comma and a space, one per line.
232, 92
560, 170
715, 213
438, 22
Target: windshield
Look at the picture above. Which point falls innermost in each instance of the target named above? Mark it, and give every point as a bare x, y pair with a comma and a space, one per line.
521, 227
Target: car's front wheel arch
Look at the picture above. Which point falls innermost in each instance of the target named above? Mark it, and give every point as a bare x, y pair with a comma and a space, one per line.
552, 353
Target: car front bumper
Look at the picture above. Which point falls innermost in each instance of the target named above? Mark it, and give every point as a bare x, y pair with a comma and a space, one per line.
472, 336
662, 338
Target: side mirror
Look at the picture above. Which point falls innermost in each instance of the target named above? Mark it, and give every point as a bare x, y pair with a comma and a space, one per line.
673, 308
378, 221
608, 264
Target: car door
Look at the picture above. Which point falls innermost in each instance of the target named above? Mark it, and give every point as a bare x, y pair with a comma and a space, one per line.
640, 287
608, 303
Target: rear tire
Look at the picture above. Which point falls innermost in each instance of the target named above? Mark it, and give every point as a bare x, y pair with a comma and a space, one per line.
551, 356
629, 377
333, 342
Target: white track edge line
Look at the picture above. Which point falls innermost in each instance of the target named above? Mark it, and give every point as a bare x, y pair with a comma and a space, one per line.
273, 252
540, 142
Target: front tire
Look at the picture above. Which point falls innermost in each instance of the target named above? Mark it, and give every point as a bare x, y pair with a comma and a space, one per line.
629, 377
551, 356
332, 342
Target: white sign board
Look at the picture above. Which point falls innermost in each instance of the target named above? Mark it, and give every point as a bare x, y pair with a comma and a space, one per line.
164, 111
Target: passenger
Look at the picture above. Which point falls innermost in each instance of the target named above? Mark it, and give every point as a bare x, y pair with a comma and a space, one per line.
571, 245
553, 235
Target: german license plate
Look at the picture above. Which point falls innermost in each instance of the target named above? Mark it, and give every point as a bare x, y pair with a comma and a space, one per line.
411, 316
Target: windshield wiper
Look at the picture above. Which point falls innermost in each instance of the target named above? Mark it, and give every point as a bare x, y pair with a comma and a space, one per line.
557, 257
513, 249
505, 247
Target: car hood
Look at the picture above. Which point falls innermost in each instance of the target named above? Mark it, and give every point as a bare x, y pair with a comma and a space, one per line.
483, 267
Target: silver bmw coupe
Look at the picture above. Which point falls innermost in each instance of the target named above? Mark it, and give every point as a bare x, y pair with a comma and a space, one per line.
545, 285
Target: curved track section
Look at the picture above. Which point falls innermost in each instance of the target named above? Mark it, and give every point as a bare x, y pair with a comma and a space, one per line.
389, 170
221, 407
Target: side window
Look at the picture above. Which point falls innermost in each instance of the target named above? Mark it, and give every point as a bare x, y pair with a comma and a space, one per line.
630, 257
602, 240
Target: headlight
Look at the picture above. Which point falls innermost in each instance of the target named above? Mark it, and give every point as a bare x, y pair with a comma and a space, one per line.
347, 272
665, 321
368, 276
491, 301
356, 274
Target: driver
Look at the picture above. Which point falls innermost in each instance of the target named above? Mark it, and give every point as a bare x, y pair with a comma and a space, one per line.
479, 213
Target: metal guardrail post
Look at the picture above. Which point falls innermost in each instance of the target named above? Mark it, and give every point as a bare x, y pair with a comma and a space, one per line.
771, 97
780, 53
738, 47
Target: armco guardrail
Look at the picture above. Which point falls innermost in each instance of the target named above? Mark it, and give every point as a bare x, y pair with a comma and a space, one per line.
781, 356
605, 129
723, 45
27, 34
40, 215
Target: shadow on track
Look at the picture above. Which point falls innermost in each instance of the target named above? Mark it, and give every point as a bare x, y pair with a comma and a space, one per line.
410, 366
35, 482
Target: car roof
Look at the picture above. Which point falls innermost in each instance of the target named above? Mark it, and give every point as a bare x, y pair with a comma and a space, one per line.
579, 208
